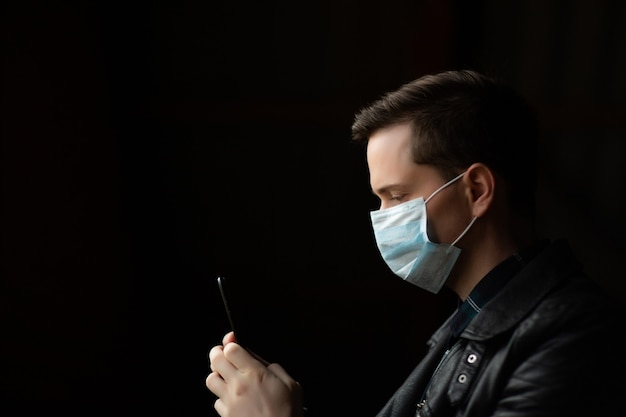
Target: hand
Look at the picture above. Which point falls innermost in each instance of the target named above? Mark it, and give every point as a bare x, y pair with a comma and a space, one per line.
247, 386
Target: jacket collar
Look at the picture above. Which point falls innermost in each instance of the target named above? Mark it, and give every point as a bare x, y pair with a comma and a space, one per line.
525, 290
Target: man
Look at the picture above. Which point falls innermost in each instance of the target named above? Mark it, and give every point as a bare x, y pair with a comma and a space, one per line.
452, 157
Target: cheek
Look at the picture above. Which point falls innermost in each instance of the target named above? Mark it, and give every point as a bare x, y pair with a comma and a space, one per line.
434, 224
432, 232
446, 220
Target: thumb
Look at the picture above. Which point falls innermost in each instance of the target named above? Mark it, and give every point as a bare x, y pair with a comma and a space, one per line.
228, 338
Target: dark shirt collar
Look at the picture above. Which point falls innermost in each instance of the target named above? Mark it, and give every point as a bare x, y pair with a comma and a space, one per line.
489, 286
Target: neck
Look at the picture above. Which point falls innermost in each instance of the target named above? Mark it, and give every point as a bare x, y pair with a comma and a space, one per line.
481, 252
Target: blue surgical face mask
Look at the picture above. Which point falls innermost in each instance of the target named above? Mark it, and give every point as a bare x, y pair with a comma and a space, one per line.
402, 240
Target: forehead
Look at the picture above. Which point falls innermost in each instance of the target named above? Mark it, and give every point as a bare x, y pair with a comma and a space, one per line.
390, 142
389, 156
391, 165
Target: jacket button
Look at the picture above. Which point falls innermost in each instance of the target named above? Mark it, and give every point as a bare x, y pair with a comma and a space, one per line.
462, 378
472, 358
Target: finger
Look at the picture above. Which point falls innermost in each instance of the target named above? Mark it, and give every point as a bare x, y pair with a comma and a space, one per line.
228, 338
216, 384
240, 358
220, 407
220, 364
213, 354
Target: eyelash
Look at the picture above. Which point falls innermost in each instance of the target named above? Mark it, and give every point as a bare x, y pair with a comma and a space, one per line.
397, 197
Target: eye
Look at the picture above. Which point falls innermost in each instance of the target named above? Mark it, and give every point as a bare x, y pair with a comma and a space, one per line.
397, 197
391, 200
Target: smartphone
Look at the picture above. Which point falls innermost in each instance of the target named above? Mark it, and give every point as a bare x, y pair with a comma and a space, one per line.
221, 282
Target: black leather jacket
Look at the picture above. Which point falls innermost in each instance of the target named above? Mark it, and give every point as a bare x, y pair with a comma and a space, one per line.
549, 344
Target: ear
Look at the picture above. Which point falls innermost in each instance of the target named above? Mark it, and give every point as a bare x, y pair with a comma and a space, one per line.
480, 185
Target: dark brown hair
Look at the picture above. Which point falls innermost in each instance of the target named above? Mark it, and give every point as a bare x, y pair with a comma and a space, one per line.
459, 118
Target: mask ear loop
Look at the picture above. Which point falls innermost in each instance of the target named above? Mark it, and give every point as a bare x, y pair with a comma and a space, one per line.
470, 223
464, 231
444, 186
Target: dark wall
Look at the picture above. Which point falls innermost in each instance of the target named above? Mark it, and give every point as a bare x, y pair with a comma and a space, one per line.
149, 146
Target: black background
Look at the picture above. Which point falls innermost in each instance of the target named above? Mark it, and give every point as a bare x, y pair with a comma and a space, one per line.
149, 146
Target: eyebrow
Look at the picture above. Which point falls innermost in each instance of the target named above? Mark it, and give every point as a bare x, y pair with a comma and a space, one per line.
387, 188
